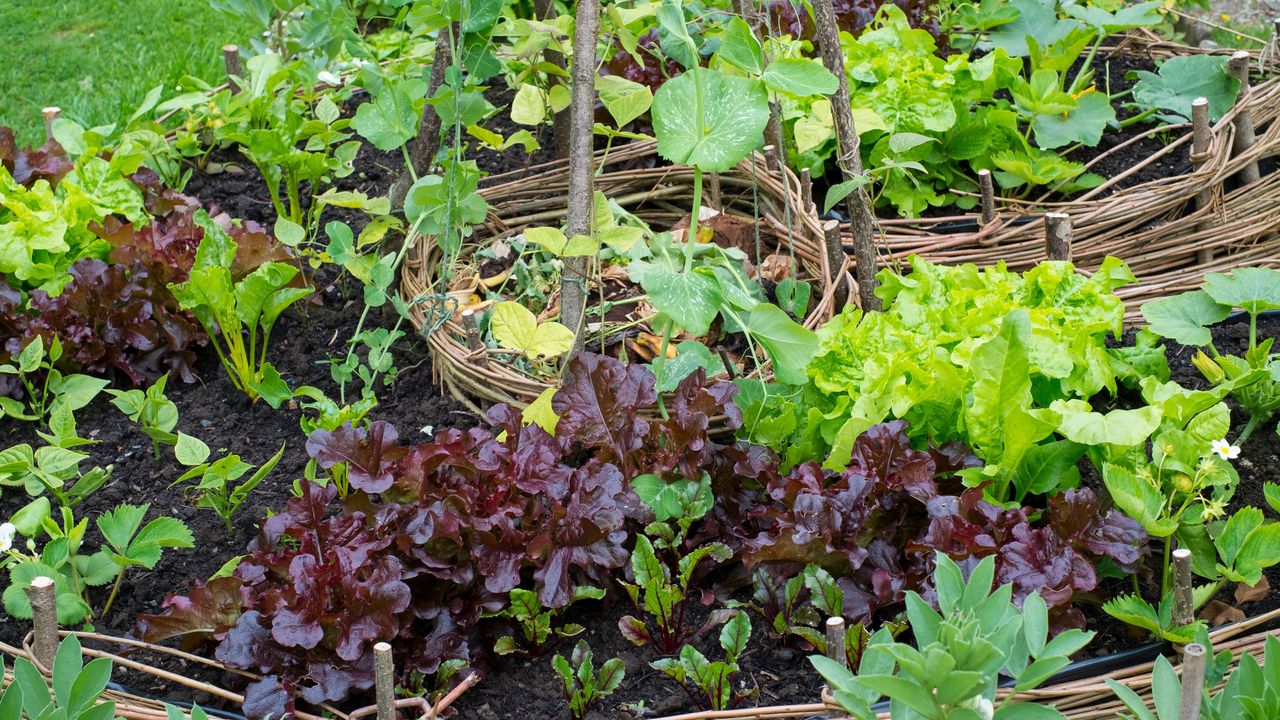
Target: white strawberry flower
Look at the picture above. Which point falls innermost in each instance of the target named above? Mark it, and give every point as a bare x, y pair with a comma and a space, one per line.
7, 531
1225, 450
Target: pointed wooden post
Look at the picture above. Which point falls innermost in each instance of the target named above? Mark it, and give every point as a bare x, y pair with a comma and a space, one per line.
44, 616
835, 261
835, 641
384, 676
1245, 137
988, 193
848, 157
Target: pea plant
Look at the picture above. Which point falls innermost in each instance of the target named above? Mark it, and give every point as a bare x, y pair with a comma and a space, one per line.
711, 120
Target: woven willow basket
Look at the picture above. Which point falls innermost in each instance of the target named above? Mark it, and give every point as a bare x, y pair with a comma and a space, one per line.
1154, 226
659, 194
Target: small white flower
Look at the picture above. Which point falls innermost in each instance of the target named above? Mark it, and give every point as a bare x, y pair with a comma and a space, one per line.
1225, 450
360, 62
328, 78
981, 706
7, 531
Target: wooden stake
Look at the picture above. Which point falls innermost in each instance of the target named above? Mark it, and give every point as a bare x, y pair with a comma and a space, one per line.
1057, 236
473, 337
423, 147
573, 281
835, 640
1193, 660
848, 157
716, 201
773, 131
546, 10
1183, 605
806, 190
1201, 138
1238, 66
50, 115
729, 367
771, 160
835, 260
44, 616
988, 192
235, 70
384, 672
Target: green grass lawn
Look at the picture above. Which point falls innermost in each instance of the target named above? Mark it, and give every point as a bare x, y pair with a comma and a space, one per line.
96, 59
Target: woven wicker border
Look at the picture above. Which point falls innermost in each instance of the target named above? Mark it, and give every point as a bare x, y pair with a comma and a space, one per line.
140, 707
660, 194
1087, 699
1146, 225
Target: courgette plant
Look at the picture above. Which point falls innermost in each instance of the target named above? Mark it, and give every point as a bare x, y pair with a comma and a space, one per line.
1254, 378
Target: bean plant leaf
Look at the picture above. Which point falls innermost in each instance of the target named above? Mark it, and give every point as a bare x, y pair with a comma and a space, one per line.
1180, 80
190, 451
1185, 318
734, 112
625, 100
690, 355
529, 107
516, 328
554, 242
842, 190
